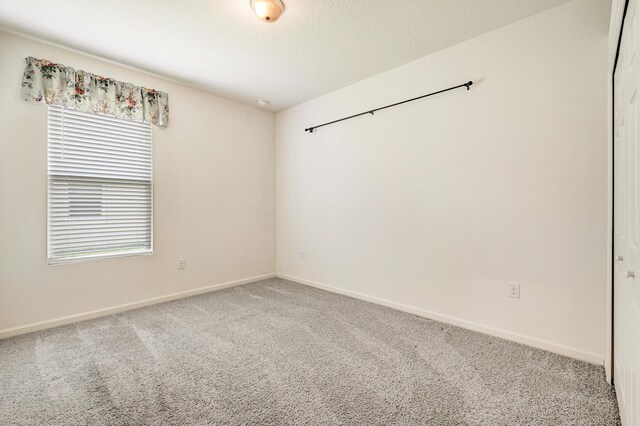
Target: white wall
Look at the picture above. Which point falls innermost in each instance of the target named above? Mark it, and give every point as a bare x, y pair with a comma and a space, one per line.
436, 205
213, 200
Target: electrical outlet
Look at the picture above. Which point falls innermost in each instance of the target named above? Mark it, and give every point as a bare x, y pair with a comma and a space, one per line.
301, 255
181, 264
514, 290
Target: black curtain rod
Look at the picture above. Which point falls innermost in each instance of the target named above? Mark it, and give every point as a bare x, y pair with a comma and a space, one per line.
311, 129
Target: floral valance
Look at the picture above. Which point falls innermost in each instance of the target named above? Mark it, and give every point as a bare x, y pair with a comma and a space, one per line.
44, 81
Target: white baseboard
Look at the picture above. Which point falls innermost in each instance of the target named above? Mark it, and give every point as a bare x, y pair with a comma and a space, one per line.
8, 332
529, 341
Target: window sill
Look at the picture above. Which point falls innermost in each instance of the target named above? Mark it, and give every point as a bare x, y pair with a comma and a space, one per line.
97, 257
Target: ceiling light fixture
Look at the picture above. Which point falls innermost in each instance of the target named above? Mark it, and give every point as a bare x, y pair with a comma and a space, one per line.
267, 10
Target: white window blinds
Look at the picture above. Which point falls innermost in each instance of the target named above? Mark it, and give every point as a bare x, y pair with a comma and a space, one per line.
100, 190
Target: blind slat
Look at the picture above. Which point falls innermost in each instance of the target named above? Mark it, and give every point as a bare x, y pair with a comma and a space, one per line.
82, 231
80, 139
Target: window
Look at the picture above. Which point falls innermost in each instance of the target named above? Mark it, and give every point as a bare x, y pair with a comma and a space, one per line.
100, 186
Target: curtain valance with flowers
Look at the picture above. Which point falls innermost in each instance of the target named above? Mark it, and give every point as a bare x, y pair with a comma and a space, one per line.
44, 81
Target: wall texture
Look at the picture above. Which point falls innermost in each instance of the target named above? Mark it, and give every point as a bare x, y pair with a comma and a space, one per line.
435, 206
213, 200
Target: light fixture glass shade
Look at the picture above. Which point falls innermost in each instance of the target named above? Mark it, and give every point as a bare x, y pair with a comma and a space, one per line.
267, 10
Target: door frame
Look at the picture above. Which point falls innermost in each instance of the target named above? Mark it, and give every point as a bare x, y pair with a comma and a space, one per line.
616, 27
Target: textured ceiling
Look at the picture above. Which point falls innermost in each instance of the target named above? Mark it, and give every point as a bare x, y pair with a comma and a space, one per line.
317, 45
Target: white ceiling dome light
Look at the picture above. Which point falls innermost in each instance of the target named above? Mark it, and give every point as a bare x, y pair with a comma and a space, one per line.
267, 10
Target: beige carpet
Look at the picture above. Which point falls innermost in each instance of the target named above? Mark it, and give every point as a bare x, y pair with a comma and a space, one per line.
279, 353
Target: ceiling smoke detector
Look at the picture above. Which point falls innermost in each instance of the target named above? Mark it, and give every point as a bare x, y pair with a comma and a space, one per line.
267, 10
263, 102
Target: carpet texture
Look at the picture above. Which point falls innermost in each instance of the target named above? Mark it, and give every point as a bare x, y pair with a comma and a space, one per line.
280, 353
